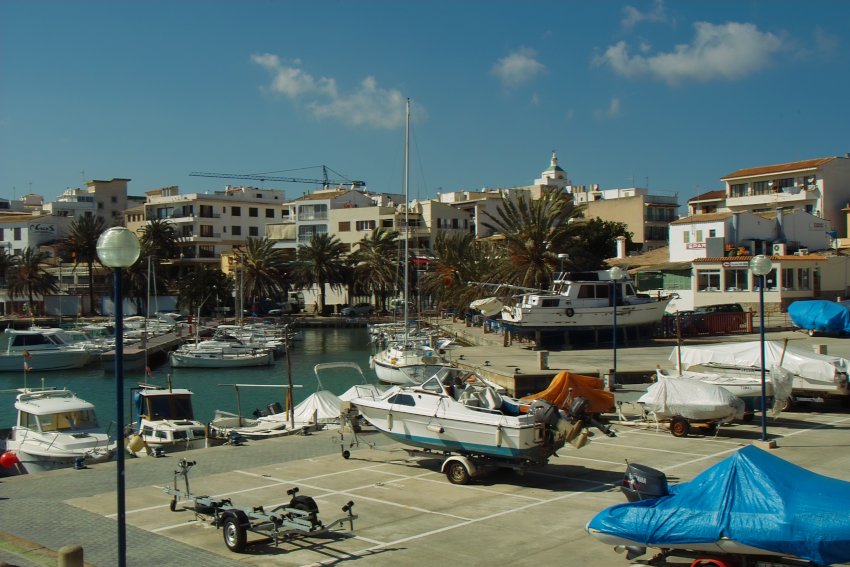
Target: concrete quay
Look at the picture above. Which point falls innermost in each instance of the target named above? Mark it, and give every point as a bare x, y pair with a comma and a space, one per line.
409, 514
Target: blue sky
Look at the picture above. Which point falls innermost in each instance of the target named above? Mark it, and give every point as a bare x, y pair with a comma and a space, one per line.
670, 94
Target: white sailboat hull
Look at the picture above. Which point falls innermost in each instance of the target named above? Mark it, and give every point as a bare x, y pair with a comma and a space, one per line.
219, 360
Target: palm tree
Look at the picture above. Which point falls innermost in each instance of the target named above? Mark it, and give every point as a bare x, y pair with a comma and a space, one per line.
266, 273
82, 243
458, 262
29, 278
203, 287
159, 239
321, 261
7, 262
376, 264
534, 230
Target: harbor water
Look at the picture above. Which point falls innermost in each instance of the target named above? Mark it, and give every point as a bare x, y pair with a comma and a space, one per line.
312, 346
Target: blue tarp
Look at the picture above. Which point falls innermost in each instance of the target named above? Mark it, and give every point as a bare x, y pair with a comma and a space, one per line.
822, 316
753, 498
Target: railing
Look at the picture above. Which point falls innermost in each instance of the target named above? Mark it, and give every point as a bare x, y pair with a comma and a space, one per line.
312, 216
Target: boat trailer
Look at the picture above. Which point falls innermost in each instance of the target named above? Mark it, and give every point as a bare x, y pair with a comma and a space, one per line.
296, 520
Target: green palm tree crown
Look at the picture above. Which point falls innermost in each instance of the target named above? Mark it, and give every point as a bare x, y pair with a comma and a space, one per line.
159, 239
28, 276
376, 264
534, 231
7, 262
321, 261
82, 244
266, 269
203, 286
458, 260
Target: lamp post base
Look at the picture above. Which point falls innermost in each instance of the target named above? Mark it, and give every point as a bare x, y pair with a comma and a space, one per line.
769, 444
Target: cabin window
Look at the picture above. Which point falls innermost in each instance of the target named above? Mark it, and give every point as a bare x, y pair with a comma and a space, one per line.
432, 385
550, 302
31, 340
27, 420
147, 431
402, 400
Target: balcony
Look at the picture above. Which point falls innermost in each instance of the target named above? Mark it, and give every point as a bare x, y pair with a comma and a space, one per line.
312, 216
788, 196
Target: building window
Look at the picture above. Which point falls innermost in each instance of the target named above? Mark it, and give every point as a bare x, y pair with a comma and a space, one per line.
761, 187
699, 236
769, 281
114, 199
345, 226
387, 223
259, 195
16, 233
269, 213
736, 280
206, 230
365, 225
686, 237
253, 212
803, 275
253, 231
236, 211
708, 280
100, 204
186, 230
206, 251
206, 211
787, 278
2, 236
738, 190
236, 231
712, 233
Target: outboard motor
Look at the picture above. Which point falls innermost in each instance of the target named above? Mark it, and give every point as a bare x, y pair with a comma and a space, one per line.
643, 483
578, 412
545, 413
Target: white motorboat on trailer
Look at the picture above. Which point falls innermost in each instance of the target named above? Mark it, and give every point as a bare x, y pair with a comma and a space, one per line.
583, 301
476, 422
55, 429
166, 422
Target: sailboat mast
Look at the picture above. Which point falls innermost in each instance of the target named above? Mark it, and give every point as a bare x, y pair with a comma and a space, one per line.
406, 209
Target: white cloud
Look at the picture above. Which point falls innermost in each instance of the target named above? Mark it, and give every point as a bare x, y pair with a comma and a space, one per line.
614, 109
518, 67
726, 51
368, 105
632, 16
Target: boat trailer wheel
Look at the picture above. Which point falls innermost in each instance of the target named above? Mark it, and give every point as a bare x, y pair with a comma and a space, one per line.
679, 426
457, 473
235, 535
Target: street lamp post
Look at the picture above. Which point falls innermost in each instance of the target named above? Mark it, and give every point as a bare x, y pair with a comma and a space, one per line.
761, 266
118, 248
616, 274
563, 258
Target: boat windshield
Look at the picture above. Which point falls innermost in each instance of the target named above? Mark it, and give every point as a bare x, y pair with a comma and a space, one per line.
432, 384
170, 407
67, 421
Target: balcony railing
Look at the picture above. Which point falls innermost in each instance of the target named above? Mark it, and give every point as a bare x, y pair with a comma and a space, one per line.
312, 216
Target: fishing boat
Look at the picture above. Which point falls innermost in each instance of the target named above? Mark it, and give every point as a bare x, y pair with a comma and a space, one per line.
583, 301
211, 357
166, 422
451, 415
55, 429
39, 350
752, 508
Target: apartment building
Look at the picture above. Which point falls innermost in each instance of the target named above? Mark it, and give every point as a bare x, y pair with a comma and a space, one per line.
208, 224
818, 186
22, 230
105, 199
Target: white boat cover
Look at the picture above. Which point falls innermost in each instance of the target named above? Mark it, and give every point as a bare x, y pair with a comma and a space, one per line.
691, 399
323, 404
362, 391
748, 354
488, 306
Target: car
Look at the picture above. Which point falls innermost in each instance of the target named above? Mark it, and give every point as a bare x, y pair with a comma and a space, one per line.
358, 310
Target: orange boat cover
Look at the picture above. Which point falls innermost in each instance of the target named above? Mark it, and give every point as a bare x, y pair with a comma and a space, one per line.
565, 386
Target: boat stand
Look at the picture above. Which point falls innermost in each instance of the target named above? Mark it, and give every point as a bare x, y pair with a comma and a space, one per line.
288, 522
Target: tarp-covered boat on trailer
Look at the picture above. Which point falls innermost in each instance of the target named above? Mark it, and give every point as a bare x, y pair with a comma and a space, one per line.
750, 503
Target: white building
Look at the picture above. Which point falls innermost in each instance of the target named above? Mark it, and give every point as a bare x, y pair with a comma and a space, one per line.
105, 199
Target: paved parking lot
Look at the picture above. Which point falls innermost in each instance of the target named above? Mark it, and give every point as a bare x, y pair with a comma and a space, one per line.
409, 514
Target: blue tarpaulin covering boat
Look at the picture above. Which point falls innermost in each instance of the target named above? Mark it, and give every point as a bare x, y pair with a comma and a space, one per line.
752, 498
821, 316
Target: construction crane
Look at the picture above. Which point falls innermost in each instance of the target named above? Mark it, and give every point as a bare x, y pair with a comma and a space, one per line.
263, 177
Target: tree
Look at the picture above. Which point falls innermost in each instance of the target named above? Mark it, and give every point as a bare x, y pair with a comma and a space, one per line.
320, 262
29, 278
376, 264
534, 231
265, 270
203, 287
593, 241
82, 243
7, 262
459, 263
159, 239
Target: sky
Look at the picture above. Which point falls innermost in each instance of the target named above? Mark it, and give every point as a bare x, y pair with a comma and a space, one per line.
670, 95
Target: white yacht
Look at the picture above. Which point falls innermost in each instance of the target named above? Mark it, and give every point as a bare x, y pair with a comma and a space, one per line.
584, 301
39, 350
55, 429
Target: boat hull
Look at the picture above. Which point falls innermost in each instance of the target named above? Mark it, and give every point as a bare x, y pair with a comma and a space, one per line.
215, 360
590, 318
46, 360
406, 375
